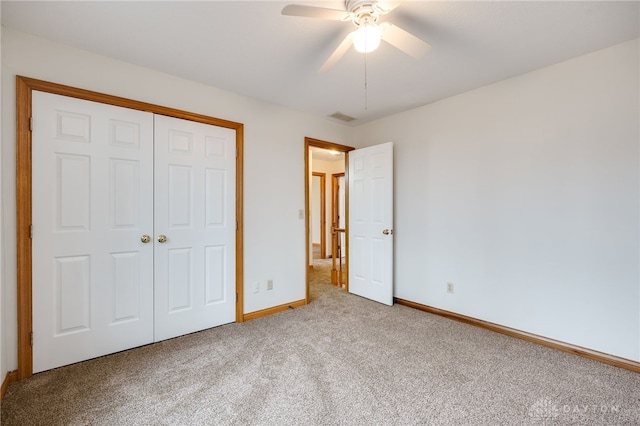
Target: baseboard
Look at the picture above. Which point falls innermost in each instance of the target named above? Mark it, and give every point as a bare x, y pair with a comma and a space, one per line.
544, 341
274, 310
12, 376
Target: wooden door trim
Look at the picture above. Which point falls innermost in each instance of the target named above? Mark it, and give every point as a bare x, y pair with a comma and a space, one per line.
323, 213
308, 143
334, 187
334, 216
24, 88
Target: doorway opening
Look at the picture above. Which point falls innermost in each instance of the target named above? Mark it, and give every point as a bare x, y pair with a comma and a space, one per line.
325, 160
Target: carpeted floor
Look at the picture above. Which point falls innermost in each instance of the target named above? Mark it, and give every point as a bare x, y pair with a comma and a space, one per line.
341, 360
321, 272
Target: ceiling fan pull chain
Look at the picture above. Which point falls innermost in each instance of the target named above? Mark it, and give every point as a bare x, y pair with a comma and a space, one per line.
366, 97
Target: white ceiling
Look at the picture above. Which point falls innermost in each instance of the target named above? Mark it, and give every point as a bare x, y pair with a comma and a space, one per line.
249, 48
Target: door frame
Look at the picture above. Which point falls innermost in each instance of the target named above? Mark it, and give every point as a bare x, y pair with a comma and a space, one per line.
24, 88
308, 144
323, 213
335, 220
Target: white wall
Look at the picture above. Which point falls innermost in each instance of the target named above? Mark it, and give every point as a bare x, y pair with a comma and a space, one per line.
274, 236
525, 195
316, 210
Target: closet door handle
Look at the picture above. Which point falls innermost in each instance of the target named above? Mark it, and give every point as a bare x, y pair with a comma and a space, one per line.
162, 239
145, 238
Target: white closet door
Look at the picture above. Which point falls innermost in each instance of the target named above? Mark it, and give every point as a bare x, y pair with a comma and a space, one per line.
195, 211
92, 184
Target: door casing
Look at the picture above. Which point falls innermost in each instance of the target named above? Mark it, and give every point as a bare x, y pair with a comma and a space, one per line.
24, 87
335, 222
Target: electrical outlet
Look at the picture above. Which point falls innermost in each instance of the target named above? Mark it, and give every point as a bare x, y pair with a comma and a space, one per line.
269, 284
256, 287
300, 214
449, 287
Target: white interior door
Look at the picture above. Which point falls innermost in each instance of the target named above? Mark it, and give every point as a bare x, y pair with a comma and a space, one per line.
92, 179
195, 211
371, 222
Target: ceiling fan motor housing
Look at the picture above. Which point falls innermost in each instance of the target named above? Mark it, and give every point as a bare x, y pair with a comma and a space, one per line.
363, 10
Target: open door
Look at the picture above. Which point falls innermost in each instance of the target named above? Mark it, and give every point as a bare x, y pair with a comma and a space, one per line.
371, 222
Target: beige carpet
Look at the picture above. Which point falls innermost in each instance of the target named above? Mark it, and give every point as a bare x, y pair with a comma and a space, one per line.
321, 272
342, 360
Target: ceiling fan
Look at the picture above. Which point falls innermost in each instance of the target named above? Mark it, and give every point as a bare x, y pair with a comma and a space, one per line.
364, 14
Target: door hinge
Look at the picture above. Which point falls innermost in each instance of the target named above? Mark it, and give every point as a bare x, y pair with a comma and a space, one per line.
31, 339
31, 124
31, 231
236, 153
236, 225
236, 297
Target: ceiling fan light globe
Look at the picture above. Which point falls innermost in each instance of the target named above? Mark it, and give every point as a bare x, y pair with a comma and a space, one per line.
367, 38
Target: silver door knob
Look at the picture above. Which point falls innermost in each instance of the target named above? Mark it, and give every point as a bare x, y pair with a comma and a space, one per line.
162, 238
145, 238
387, 231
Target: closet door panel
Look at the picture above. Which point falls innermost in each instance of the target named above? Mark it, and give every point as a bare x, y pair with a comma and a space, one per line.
92, 197
194, 226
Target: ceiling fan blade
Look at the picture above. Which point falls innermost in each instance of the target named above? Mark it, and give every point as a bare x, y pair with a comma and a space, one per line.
316, 12
386, 6
338, 53
401, 39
